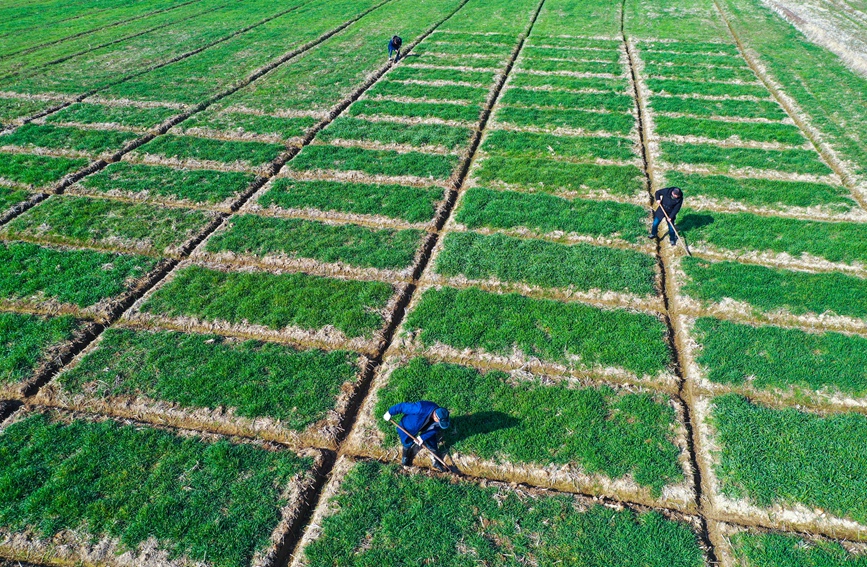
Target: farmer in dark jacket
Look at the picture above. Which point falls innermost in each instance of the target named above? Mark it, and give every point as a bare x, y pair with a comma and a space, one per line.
425, 420
394, 47
670, 199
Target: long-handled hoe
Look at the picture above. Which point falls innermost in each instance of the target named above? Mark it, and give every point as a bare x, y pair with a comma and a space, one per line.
671, 224
416, 440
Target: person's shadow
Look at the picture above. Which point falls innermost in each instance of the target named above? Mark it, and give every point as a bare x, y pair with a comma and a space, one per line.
692, 221
466, 426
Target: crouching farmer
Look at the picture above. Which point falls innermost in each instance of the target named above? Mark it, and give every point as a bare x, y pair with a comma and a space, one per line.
424, 421
668, 202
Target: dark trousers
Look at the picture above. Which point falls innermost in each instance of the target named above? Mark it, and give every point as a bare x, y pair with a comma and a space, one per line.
671, 236
411, 450
391, 49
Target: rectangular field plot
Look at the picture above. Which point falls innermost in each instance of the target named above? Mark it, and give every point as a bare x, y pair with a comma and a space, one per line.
689, 47
387, 89
568, 53
776, 548
34, 171
575, 42
110, 225
807, 241
781, 361
438, 46
373, 511
574, 66
214, 383
501, 428
727, 107
159, 183
699, 73
278, 241
558, 99
548, 214
450, 138
570, 334
195, 149
67, 280
130, 116
722, 130
11, 197
468, 113
554, 175
13, 109
767, 460
374, 162
769, 290
488, 62
728, 159
663, 57
580, 266
30, 342
262, 303
612, 122
510, 143
706, 88
46, 136
566, 82
403, 73
410, 204
245, 125
765, 192
143, 491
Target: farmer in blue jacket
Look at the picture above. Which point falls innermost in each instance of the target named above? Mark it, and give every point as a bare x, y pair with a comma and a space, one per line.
394, 47
424, 420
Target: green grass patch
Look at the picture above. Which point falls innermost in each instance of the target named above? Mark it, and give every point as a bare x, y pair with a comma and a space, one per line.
727, 159
241, 123
537, 52
63, 138
442, 110
379, 509
691, 47
482, 207
765, 192
37, 171
25, 340
449, 60
579, 266
514, 144
720, 130
569, 333
275, 301
580, 42
519, 79
834, 241
709, 88
560, 99
736, 108
575, 66
657, 57
133, 116
443, 45
486, 39
792, 551
550, 175
613, 122
374, 162
78, 277
769, 289
403, 73
198, 499
346, 243
11, 197
82, 220
14, 108
193, 148
253, 378
789, 457
475, 95
499, 419
345, 128
699, 73
412, 204
196, 185
773, 357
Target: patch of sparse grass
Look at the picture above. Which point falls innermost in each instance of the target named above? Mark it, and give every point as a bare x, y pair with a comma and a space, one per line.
475, 95
412, 204
500, 419
37, 171
772, 357
613, 122
509, 143
710, 88
63, 138
727, 159
482, 207
519, 79
193, 148
729, 49
575, 66
240, 123
374, 162
78, 277
700, 73
727, 107
197, 498
11, 197
569, 333
491, 63
14, 108
404, 73
275, 301
662, 57
589, 101
444, 45
85, 221
784, 550
720, 130
346, 128
441, 110
769, 289
253, 378
789, 457
345, 243
379, 509
538, 262
486, 39
25, 340
135, 116
586, 42
196, 185
540, 52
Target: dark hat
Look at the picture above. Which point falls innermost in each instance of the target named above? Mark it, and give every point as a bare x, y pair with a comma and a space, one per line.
443, 417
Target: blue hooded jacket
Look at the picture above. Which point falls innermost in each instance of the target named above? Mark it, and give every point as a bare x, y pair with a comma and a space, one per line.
415, 415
